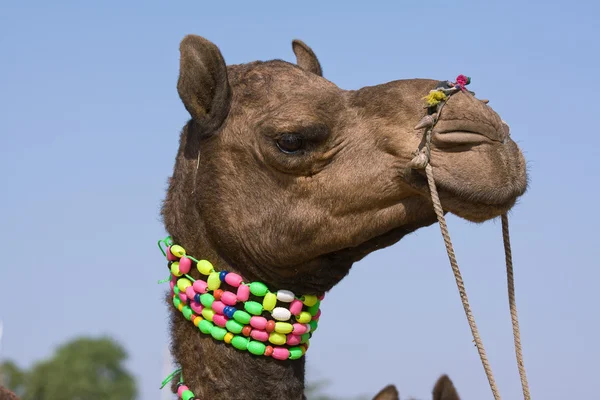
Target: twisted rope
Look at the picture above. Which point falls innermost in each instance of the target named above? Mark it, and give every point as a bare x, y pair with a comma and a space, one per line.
513, 307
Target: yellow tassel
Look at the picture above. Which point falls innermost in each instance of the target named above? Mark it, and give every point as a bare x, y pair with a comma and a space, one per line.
434, 97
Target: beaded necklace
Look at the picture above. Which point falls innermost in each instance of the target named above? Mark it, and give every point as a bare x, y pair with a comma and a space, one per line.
232, 316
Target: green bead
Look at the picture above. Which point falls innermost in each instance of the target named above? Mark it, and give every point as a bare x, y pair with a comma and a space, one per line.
176, 301
256, 348
187, 395
313, 325
253, 307
295, 353
304, 338
258, 289
176, 290
187, 312
233, 326
242, 317
218, 333
240, 342
205, 326
313, 310
207, 299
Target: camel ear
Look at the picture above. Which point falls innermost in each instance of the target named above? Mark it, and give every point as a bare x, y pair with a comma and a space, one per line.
444, 389
387, 393
306, 58
203, 85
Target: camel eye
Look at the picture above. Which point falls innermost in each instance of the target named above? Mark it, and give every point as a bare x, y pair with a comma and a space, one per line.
290, 143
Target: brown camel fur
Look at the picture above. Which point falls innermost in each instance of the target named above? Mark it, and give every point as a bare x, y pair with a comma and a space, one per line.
285, 178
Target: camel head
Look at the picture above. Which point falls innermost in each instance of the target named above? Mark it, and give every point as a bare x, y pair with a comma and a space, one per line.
290, 179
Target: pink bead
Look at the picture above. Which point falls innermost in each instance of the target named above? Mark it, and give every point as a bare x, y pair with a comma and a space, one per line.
293, 340
258, 322
321, 297
200, 286
317, 316
232, 279
197, 307
229, 298
181, 389
220, 320
281, 353
172, 285
189, 292
296, 307
183, 297
170, 255
218, 306
185, 265
243, 292
299, 329
258, 334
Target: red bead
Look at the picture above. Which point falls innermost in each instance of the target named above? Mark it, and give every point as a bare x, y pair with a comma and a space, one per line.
270, 326
269, 351
218, 293
246, 330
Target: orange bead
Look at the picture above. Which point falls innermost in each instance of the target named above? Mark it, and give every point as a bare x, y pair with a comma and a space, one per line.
268, 351
246, 330
218, 293
270, 326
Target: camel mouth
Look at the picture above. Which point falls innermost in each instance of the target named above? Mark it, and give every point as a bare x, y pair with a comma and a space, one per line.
465, 131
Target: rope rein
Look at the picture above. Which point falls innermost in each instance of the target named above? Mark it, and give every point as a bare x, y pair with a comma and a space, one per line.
421, 161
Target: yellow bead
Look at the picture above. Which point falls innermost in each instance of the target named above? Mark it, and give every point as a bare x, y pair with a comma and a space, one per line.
177, 251
269, 301
277, 338
213, 281
180, 306
175, 269
283, 327
228, 337
208, 313
304, 317
197, 320
309, 300
183, 283
205, 267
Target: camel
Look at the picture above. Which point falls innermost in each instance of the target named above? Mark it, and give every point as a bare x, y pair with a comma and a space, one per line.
443, 390
284, 178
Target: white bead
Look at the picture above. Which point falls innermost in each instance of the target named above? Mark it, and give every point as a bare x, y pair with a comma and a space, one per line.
285, 296
281, 314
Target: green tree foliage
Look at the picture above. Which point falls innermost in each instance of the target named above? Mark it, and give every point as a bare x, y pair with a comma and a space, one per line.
83, 369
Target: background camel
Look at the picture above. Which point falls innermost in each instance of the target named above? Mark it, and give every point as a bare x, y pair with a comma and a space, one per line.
287, 179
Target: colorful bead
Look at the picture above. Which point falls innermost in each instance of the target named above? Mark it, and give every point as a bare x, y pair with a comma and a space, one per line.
283, 327
253, 307
213, 281
258, 289
296, 307
177, 251
205, 326
247, 330
269, 301
229, 298
197, 319
316, 317
180, 306
218, 333
299, 329
309, 300
181, 389
270, 327
218, 293
258, 322
171, 256
258, 334
175, 269
176, 301
197, 298
240, 342
256, 348
187, 395
295, 353
304, 317
269, 351
187, 312
205, 267
313, 325
197, 307
218, 306
234, 326
183, 283
281, 353
200, 286
293, 340
281, 314
314, 309
228, 337
243, 293
230, 311
208, 314
242, 317
189, 292
233, 279
207, 299
183, 297
285, 296
277, 338
176, 290
220, 320
222, 275
185, 265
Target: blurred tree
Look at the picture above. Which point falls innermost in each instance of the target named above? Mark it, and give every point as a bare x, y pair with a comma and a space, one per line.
85, 368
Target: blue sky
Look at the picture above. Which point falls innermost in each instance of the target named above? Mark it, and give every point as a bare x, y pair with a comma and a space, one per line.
89, 125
